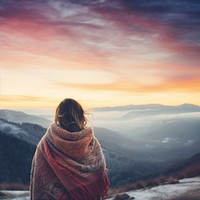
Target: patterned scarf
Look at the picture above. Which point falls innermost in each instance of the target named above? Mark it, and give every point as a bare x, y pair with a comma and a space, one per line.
68, 166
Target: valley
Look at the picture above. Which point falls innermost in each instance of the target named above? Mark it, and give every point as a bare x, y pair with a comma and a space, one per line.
139, 142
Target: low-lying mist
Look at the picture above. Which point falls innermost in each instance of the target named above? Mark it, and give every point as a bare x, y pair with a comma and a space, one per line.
139, 125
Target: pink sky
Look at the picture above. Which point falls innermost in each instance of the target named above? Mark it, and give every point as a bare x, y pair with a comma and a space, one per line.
102, 53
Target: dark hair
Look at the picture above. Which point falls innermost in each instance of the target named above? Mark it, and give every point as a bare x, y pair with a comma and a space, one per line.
70, 115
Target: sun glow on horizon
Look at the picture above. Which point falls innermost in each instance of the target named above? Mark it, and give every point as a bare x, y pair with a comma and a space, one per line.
101, 54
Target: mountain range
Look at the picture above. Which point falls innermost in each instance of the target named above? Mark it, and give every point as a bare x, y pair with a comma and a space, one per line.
163, 132
137, 147
23, 138
183, 107
20, 117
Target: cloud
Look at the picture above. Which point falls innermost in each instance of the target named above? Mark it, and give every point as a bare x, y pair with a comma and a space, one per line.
105, 28
10, 101
171, 84
174, 25
16, 98
178, 22
149, 46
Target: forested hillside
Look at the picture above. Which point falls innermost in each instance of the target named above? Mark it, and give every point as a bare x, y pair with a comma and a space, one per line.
18, 143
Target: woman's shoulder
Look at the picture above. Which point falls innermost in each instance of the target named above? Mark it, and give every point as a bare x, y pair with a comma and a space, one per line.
88, 130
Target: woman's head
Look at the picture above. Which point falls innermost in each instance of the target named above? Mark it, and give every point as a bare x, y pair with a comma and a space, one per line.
70, 115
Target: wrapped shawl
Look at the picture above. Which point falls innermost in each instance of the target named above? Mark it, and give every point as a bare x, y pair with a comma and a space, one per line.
68, 166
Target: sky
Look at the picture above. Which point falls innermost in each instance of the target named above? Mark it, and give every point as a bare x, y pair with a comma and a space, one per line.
101, 53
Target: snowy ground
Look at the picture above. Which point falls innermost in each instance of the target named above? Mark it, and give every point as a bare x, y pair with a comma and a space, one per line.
15, 195
165, 192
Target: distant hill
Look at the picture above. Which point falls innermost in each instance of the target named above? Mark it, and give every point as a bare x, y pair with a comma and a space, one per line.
129, 107
19, 117
151, 110
183, 107
173, 138
30, 133
115, 142
15, 159
139, 146
17, 147
162, 132
125, 162
186, 168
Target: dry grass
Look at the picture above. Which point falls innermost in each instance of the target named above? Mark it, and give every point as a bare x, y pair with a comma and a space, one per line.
13, 186
191, 171
140, 184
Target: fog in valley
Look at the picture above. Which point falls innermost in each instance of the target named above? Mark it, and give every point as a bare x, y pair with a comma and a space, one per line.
136, 124
151, 129
138, 141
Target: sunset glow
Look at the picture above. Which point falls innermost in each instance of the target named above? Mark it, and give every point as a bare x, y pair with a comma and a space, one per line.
102, 53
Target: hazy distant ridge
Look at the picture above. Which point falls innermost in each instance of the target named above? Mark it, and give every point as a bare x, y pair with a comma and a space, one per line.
20, 117
123, 166
186, 107
137, 143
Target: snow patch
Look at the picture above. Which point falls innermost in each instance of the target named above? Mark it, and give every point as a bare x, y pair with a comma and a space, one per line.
16, 195
189, 142
166, 192
149, 146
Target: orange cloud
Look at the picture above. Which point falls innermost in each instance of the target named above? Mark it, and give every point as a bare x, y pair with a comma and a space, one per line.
134, 87
147, 51
12, 101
